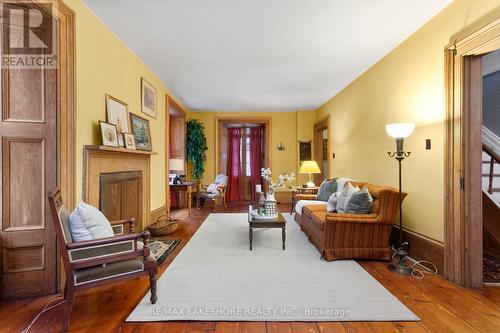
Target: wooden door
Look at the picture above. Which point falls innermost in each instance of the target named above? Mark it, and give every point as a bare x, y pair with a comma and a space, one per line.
28, 170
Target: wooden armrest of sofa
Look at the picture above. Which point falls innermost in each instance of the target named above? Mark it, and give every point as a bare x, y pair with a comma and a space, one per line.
305, 197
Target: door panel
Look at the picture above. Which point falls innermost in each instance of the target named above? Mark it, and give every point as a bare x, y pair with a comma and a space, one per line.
28, 160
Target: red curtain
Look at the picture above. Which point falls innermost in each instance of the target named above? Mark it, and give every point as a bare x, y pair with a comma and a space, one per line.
255, 159
234, 188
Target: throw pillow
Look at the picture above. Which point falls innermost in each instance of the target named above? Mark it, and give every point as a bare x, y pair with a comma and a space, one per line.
87, 223
326, 189
360, 202
212, 188
344, 197
331, 205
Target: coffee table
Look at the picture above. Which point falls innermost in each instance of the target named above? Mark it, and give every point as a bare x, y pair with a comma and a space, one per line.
278, 222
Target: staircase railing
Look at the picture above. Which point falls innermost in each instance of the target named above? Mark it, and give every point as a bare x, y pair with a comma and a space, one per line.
494, 158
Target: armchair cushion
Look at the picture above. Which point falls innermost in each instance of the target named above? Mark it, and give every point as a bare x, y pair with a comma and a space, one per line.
102, 272
87, 223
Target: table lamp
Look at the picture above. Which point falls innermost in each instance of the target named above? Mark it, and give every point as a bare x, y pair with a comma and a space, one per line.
176, 166
309, 167
400, 131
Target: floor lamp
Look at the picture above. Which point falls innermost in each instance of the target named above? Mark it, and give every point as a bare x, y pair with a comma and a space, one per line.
400, 131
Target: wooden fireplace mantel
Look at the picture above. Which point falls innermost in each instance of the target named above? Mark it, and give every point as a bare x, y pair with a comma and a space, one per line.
99, 160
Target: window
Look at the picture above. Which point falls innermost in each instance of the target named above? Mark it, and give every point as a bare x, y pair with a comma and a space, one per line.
246, 146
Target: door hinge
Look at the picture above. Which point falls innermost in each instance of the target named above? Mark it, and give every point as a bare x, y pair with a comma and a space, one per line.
462, 183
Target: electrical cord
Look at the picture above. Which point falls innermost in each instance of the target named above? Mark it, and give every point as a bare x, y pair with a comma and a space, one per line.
418, 269
45, 309
419, 273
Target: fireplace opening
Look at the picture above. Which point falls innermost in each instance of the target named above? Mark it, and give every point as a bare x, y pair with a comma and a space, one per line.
120, 196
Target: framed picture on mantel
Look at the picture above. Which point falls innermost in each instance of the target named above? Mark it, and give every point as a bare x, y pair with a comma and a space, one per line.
142, 134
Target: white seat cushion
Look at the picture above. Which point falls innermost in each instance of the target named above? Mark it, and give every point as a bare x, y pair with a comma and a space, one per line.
301, 203
87, 222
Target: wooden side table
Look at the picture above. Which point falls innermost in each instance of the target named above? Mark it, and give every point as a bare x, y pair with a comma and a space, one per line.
301, 190
186, 187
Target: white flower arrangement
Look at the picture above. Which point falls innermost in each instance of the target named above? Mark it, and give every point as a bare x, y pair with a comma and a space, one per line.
282, 179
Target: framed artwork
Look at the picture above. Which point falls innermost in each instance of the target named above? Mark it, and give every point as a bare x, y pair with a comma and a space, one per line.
117, 115
148, 98
305, 151
129, 140
142, 135
109, 134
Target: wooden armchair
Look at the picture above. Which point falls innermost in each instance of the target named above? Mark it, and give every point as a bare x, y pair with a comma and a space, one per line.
220, 195
93, 263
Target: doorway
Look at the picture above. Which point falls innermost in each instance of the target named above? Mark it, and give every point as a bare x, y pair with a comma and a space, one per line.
322, 149
490, 166
37, 130
242, 150
463, 164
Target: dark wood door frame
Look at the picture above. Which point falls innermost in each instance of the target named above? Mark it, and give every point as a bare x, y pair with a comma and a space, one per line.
463, 200
172, 109
319, 127
221, 121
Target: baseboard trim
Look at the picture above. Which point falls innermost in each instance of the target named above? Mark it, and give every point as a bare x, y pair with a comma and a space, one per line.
155, 214
423, 248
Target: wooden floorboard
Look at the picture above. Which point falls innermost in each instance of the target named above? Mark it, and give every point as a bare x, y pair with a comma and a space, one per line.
441, 305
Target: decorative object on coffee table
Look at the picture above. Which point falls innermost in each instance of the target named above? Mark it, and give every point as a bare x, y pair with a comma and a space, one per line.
400, 131
109, 134
272, 186
254, 222
140, 128
309, 167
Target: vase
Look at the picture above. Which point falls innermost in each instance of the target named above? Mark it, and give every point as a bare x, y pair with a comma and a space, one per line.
270, 197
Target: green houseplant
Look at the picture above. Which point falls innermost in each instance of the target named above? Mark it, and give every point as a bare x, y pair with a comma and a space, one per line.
196, 146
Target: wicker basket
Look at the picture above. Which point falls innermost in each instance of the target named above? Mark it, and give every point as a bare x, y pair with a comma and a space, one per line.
163, 226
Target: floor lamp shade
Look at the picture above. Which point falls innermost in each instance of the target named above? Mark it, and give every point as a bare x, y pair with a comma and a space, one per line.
309, 167
400, 130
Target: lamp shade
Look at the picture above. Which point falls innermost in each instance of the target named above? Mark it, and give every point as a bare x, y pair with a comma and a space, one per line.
400, 130
309, 167
176, 164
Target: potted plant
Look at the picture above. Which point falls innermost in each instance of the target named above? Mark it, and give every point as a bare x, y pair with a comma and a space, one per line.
196, 146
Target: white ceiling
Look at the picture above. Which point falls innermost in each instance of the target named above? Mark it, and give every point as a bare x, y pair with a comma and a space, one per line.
262, 54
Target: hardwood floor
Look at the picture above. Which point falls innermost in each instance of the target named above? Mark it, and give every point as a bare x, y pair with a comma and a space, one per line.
441, 305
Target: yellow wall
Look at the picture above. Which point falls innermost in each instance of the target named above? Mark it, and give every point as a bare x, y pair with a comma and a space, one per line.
104, 65
283, 128
406, 85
